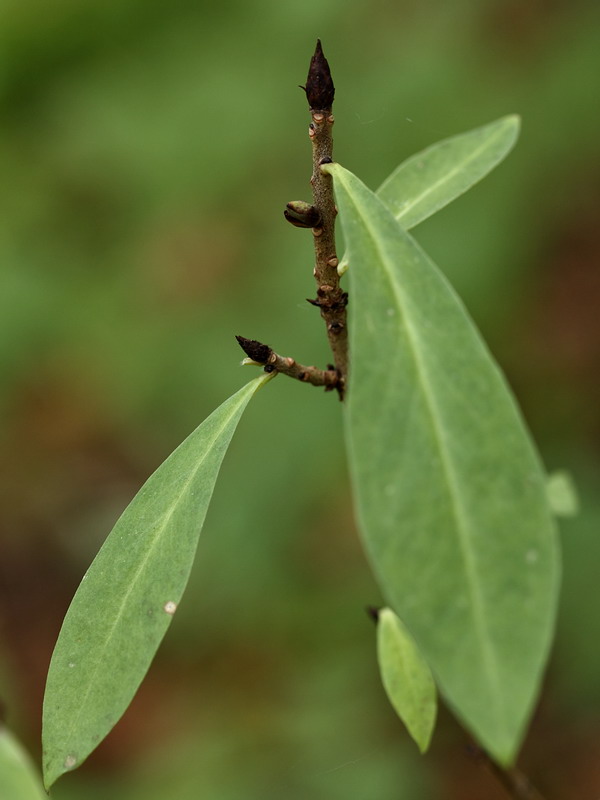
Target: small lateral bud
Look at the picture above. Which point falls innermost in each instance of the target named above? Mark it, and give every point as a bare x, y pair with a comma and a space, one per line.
319, 83
301, 214
255, 350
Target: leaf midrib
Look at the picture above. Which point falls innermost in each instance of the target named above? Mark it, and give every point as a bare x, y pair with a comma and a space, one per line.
132, 584
440, 182
474, 589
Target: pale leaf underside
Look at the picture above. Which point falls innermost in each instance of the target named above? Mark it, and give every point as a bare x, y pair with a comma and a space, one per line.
449, 491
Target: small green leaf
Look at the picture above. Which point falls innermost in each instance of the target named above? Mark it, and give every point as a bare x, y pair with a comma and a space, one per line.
431, 179
562, 494
127, 598
18, 777
449, 490
406, 678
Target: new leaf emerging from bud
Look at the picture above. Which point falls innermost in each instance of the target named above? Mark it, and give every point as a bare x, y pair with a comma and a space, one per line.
302, 214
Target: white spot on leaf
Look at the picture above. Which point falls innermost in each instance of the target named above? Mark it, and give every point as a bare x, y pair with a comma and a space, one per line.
70, 761
170, 607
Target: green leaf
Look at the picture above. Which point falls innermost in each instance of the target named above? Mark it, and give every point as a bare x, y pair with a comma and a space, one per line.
562, 494
406, 678
450, 493
431, 179
127, 598
18, 777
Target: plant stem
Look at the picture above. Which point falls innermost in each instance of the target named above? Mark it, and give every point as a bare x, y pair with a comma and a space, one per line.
516, 783
320, 216
331, 299
264, 355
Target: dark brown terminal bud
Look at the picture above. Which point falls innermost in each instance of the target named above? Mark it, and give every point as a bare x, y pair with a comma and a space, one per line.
319, 83
302, 214
255, 350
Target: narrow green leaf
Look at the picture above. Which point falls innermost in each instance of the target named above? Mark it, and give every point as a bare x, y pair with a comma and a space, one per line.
431, 179
450, 493
18, 777
127, 598
562, 494
406, 678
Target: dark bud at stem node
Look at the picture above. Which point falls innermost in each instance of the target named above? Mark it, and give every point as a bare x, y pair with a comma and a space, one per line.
302, 214
255, 350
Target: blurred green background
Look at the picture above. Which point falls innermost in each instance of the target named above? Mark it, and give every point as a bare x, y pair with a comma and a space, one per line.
146, 152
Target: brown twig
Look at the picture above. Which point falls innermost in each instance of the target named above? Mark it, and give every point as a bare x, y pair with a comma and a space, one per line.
265, 356
514, 781
320, 217
331, 299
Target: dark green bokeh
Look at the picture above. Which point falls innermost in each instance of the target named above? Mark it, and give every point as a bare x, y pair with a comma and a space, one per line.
147, 152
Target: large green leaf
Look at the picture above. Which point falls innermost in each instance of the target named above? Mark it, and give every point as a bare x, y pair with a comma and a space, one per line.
450, 493
18, 778
431, 179
128, 596
406, 678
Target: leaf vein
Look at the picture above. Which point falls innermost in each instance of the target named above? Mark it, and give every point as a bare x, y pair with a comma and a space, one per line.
462, 526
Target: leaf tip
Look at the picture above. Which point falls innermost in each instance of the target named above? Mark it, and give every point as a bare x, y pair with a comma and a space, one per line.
513, 123
49, 777
55, 765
